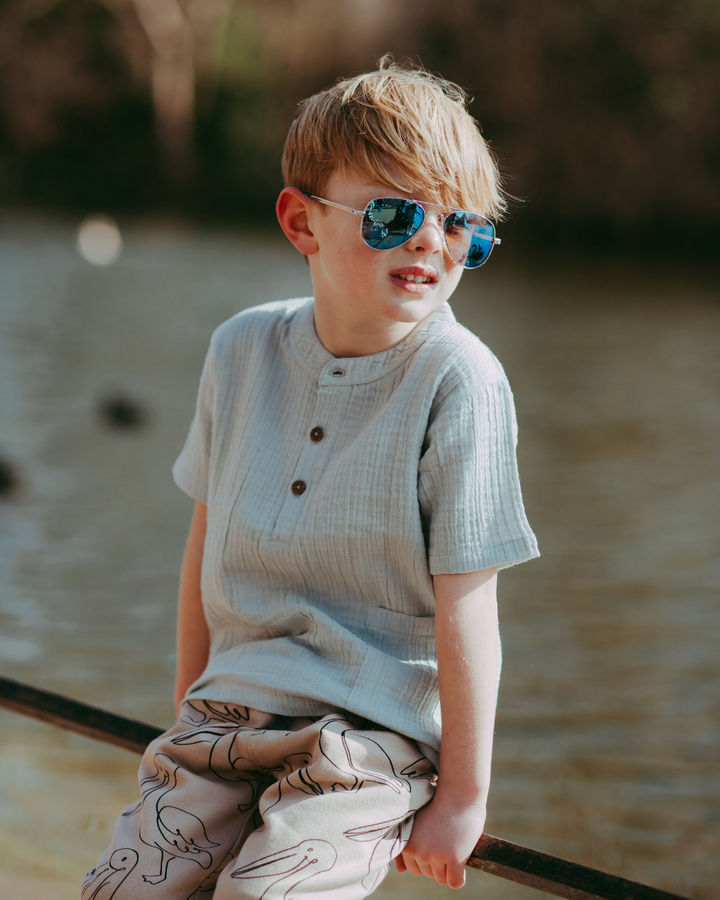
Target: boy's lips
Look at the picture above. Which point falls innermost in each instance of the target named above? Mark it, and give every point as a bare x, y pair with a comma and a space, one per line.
415, 278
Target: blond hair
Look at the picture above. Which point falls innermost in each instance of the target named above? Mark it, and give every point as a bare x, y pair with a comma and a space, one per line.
399, 122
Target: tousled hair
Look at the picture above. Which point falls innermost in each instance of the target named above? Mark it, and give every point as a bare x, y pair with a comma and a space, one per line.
397, 122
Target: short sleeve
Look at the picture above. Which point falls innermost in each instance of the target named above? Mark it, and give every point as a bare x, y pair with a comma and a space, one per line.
469, 486
192, 466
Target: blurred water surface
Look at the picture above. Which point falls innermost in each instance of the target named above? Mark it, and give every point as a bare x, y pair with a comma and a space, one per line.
609, 721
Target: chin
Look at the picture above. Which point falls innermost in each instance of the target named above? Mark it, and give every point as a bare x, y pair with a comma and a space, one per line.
412, 310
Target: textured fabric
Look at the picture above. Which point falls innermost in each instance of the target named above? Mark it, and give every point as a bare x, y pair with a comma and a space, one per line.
246, 776
321, 544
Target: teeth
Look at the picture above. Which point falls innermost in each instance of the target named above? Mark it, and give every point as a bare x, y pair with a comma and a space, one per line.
417, 279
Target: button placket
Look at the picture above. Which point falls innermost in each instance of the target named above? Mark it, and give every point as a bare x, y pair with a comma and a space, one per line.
309, 469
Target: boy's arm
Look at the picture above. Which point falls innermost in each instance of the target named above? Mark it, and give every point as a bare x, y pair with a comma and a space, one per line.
193, 638
468, 650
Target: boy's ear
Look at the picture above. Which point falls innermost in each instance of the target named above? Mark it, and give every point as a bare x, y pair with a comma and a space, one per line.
293, 208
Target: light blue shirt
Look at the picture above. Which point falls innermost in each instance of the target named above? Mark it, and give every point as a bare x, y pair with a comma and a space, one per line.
335, 489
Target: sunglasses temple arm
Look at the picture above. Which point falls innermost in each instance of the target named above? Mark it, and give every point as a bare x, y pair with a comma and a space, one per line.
355, 212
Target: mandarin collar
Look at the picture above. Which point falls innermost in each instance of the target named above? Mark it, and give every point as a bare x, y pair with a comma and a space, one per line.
337, 371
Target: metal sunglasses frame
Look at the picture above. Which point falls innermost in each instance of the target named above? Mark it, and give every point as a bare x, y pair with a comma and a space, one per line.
422, 204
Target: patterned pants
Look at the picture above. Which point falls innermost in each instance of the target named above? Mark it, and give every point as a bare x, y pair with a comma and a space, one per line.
238, 803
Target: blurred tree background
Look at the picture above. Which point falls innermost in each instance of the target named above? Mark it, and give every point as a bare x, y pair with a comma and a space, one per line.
602, 112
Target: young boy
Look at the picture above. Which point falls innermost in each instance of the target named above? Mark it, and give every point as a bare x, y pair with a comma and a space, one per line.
352, 460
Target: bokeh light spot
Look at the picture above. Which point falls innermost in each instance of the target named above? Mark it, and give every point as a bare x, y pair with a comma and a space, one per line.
99, 240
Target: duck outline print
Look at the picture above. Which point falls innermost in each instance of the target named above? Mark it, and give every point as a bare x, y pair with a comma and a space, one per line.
297, 778
298, 775
355, 776
226, 761
380, 832
358, 775
112, 873
306, 859
208, 712
421, 768
176, 833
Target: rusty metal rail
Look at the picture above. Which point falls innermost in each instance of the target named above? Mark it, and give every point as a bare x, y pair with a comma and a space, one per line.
550, 874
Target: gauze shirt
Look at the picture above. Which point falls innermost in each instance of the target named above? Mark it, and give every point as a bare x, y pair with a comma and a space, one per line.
335, 489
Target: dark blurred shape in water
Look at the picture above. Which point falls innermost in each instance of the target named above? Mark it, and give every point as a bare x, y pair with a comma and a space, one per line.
9, 479
122, 413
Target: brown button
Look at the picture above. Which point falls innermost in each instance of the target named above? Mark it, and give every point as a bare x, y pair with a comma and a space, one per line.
298, 487
317, 434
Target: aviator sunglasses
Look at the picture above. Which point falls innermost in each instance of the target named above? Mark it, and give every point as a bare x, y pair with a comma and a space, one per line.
389, 222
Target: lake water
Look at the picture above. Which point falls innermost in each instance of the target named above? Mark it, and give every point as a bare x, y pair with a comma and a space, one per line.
608, 732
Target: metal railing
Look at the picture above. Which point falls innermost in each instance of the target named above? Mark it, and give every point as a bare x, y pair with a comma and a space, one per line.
550, 874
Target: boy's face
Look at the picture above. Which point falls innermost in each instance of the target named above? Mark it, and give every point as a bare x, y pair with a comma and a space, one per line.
368, 286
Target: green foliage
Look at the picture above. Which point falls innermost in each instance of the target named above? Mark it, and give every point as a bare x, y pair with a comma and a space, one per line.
77, 131
238, 151
603, 113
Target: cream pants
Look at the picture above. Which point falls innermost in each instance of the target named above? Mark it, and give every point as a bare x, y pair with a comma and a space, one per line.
237, 803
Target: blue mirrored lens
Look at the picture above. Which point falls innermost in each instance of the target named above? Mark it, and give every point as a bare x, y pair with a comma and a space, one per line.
469, 238
389, 222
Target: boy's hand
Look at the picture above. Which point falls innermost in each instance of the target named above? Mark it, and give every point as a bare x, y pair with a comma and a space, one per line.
443, 836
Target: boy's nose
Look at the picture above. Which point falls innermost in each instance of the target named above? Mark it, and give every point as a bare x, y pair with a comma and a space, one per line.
429, 235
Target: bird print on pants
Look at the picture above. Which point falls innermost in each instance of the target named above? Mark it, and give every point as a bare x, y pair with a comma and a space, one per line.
343, 748
228, 763
176, 833
296, 864
106, 879
356, 744
390, 837
206, 712
222, 795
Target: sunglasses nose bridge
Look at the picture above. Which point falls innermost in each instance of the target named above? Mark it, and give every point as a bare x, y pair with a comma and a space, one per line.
434, 220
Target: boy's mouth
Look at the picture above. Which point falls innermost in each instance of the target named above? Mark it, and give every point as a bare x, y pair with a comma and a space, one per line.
416, 275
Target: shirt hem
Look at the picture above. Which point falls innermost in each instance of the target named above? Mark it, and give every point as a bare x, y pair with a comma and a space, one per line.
190, 488
503, 557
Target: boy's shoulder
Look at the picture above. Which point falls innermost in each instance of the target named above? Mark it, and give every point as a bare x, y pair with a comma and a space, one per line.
253, 323
466, 361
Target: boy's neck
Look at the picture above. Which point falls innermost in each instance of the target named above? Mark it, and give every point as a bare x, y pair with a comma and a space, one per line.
349, 336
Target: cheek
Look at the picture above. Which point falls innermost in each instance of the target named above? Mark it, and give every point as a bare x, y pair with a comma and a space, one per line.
456, 275
352, 255
453, 272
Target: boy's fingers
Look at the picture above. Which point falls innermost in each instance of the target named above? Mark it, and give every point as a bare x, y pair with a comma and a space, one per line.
410, 865
455, 876
427, 870
420, 867
440, 873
